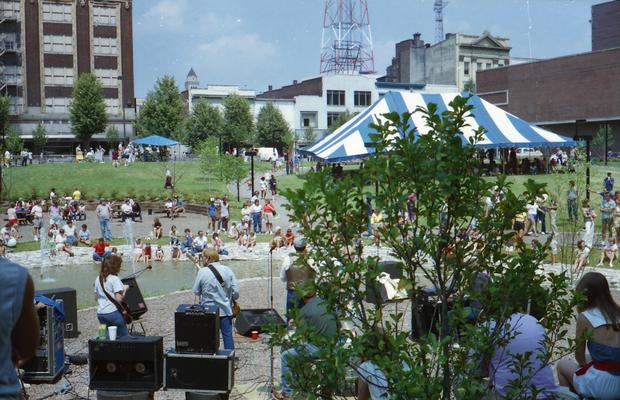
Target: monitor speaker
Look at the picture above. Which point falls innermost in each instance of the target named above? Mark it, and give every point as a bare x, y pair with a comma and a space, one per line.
197, 329
133, 298
200, 372
131, 363
69, 303
256, 320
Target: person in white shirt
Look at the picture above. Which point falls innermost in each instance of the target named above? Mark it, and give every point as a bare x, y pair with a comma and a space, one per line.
532, 212
609, 252
61, 242
37, 219
108, 284
69, 229
200, 242
256, 212
12, 215
127, 211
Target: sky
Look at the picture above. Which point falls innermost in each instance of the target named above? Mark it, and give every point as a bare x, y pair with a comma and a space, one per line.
256, 43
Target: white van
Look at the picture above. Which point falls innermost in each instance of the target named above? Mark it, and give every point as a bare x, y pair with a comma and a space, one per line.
267, 153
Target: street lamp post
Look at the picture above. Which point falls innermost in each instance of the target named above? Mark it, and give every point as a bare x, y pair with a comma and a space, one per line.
120, 78
252, 152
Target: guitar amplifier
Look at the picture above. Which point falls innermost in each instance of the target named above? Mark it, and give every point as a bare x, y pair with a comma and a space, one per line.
200, 372
48, 363
69, 303
197, 329
131, 363
133, 298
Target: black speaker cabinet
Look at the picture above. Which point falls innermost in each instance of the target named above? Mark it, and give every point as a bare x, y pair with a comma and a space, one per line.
200, 372
197, 329
134, 298
132, 363
256, 320
373, 289
48, 364
69, 303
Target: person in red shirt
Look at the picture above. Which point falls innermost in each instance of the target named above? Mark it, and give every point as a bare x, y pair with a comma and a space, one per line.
100, 250
269, 211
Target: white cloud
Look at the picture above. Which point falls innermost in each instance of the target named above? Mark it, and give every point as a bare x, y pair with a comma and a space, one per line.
239, 48
166, 15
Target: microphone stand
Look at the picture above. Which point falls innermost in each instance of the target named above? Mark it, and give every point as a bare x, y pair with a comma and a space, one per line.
138, 273
271, 309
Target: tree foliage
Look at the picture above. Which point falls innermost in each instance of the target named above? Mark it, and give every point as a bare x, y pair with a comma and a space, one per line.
238, 122
205, 120
112, 136
208, 150
342, 119
272, 130
599, 138
5, 107
39, 137
13, 141
451, 247
309, 135
87, 110
163, 112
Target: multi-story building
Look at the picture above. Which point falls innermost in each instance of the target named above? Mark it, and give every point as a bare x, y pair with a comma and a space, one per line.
606, 25
453, 61
48, 44
312, 103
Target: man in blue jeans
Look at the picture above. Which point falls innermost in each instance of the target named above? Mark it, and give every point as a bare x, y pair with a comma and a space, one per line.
216, 285
104, 213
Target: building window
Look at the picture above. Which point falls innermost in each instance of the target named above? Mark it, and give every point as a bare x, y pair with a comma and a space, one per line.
9, 9
12, 74
466, 68
478, 66
58, 76
57, 12
362, 99
107, 77
331, 118
306, 122
105, 46
488, 65
58, 44
57, 105
16, 105
335, 97
500, 63
112, 106
104, 15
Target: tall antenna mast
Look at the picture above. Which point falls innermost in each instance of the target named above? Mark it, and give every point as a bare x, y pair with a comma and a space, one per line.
438, 8
346, 42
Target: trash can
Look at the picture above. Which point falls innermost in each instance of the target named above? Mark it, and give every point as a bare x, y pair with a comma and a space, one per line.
150, 211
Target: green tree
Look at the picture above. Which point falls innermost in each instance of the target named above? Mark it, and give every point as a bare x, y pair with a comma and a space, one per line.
444, 361
87, 111
341, 120
14, 142
233, 169
309, 135
206, 120
5, 106
470, 86
208, 150
163, 112
598, 141
272, 130
39, 137
112, 136
238, 122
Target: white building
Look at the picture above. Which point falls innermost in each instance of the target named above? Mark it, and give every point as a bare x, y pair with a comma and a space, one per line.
312, 103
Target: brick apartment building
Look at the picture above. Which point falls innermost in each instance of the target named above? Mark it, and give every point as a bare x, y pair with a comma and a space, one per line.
571, 95
46, 44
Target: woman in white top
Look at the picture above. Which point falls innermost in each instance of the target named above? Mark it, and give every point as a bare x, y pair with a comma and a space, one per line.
597, 376
588, 217
107, 313
61, 242
532, 212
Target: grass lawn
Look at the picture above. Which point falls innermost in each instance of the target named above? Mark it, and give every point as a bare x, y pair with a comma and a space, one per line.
144, 181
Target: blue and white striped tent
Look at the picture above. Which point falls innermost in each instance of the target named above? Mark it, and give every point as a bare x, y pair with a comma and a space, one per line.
502, 129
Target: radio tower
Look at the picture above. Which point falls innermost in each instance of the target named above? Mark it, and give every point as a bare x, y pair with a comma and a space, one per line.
346, 42
438, 7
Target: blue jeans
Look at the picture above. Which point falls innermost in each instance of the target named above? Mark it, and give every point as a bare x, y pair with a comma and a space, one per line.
114, 319
97, 257
287, 357
292, 301
257, 222
227, 332
71, 240
106, 233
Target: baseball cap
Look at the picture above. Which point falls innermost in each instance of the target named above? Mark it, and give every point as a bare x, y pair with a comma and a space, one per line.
299, 242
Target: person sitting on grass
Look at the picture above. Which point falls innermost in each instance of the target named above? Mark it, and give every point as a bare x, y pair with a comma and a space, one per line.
61, 243
159, 253
84, 235
609, 252
581, 257
158, 231
100, 251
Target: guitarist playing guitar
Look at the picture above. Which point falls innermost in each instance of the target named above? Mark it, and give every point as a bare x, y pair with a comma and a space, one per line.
109, 294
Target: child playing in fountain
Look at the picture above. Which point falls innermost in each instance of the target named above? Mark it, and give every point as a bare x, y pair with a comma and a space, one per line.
176, 252
159, 253
289, 238
138, 246
61, 243
609, 252
84, 235
51, 243
146, 253
233, 233
250, 242
216, 242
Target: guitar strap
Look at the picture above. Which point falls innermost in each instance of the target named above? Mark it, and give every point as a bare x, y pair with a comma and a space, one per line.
217, 275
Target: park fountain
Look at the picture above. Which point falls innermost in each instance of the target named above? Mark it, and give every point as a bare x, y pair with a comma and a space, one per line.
44, 256
128, 230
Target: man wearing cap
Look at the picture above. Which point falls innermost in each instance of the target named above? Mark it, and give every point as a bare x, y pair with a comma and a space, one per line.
293, 275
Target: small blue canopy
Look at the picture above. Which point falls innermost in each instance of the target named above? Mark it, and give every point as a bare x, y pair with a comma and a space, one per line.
155, 140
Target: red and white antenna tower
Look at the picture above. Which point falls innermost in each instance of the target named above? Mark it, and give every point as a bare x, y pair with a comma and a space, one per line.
346, 42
